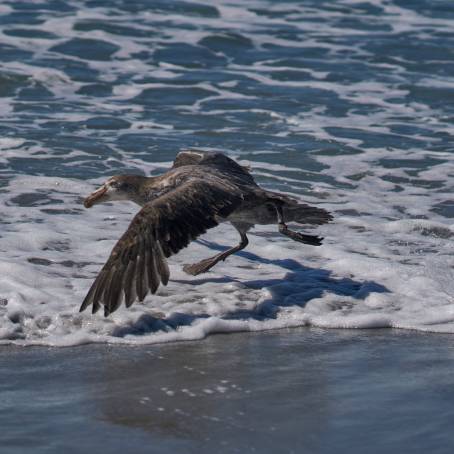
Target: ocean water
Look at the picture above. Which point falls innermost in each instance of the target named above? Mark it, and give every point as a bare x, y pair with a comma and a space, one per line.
293, 391
344, 104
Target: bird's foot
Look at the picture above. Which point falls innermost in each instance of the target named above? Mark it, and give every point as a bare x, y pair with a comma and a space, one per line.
307, 239
301, 237
198, 268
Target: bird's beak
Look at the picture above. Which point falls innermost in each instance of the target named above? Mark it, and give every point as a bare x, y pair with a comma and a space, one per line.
95, 197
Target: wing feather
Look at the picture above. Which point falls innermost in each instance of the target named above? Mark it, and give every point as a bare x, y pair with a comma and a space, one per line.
114, 293
161, 264
141, 284
153, 279
129, 285
164, 226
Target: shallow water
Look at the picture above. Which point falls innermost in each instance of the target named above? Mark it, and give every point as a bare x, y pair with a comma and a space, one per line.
344, 104
304, 390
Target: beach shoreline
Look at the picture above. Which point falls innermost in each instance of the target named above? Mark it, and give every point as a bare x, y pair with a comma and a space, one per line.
295, 390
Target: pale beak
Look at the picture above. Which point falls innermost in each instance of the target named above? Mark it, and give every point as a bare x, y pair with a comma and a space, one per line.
95, 197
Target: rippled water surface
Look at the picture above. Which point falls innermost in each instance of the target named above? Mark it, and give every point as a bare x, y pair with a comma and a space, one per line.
345, 104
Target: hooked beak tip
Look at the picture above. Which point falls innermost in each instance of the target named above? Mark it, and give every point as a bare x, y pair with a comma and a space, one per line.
94, 197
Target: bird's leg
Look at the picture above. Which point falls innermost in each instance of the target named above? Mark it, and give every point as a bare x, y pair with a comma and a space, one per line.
296, 236
204, 265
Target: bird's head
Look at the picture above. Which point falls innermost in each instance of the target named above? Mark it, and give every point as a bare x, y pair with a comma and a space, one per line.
118, 187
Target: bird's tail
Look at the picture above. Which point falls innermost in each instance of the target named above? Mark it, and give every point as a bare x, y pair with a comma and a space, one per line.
300, 212
306, 214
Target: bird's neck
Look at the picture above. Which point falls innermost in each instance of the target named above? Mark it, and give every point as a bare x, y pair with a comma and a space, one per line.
149, 189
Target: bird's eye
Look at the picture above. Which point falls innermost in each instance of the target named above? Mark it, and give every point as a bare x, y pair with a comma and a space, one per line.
114, 184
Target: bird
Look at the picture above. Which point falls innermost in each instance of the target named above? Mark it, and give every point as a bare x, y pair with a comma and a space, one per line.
201, 190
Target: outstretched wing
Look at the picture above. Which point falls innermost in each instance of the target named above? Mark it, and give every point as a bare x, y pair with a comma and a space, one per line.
137, 263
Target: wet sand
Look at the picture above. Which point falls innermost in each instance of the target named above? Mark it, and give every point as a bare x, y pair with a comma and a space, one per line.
288, 391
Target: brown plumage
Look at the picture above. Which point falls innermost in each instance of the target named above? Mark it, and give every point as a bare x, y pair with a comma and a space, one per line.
197, 193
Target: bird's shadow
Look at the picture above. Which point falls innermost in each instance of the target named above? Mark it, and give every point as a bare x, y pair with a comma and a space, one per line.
300, 285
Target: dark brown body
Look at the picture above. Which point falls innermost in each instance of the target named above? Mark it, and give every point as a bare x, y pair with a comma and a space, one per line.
257, 206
